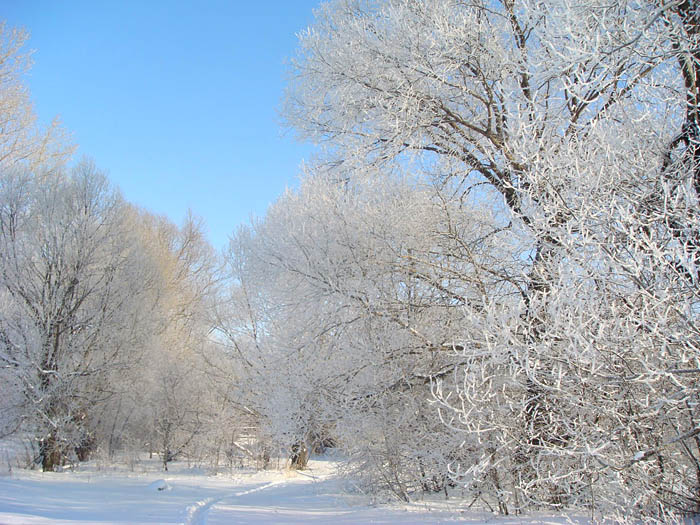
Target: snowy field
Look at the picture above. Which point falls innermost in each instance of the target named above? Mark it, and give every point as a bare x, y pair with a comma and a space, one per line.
100, 495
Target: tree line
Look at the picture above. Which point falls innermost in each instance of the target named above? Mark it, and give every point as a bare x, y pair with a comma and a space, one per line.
104, 307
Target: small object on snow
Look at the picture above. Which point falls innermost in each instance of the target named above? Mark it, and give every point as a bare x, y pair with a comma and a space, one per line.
159, 485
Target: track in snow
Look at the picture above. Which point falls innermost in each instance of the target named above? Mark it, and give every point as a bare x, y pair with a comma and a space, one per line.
197, 512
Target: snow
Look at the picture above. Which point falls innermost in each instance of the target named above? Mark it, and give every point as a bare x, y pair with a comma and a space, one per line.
160, 485
182, 496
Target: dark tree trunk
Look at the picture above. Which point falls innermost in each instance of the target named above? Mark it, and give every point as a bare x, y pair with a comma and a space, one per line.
300, 456
50, 453
86, 447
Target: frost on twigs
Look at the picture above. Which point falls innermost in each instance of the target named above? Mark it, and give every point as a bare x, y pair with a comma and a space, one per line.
539, 268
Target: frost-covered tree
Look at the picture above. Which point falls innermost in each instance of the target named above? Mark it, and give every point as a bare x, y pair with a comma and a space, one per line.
166, 403
72, 289
576, 124
356, 292
180, 397
104, 309
21, 140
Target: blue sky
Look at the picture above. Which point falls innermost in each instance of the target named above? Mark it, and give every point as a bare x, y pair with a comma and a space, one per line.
177, 101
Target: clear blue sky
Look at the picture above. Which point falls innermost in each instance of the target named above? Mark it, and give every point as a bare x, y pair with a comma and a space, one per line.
178, 101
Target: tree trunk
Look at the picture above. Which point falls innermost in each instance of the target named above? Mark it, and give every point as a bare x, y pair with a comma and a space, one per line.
50, 453
86, 447
300, 456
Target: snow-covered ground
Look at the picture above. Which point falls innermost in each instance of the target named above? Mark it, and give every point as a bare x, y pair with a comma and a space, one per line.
116, 496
